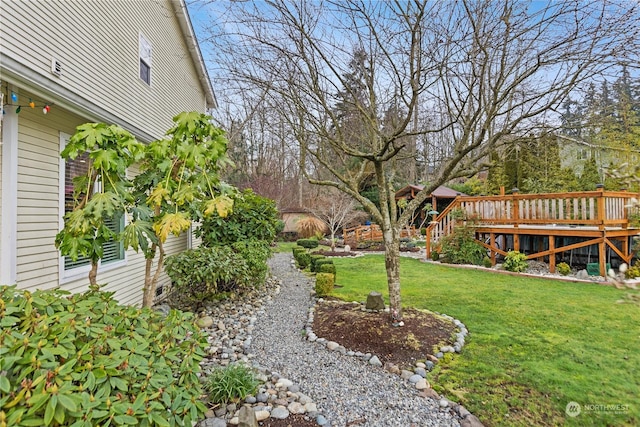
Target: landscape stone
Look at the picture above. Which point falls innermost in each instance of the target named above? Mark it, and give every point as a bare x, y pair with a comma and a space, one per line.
204, 322
422, 384
422, 372
405, 375
332, 345
310, 407
429, 364
471, 421
283, 382
279, 413
247, 417
374, 301
296, 408
415, 378
261, 397
262, 415
375, 361
322, 421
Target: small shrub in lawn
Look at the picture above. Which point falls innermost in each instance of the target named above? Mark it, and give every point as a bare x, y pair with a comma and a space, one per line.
515, 261
322, 261
563, 268
308, 243
314, 259
435, 255
85, 360
486, 261
303, 259
230, 384
324, 284
328, 268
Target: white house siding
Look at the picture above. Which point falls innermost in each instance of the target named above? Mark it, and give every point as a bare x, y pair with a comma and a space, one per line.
39, 219
97, 44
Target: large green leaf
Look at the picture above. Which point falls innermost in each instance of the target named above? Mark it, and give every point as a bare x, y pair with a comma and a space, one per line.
138, 234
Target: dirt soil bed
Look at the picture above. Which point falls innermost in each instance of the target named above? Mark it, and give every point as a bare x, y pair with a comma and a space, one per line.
348, 325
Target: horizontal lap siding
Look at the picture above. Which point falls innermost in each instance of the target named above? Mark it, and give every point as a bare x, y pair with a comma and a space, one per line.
97, 44
38, 214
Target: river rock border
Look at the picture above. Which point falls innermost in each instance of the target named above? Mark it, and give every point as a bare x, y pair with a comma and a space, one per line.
418, 375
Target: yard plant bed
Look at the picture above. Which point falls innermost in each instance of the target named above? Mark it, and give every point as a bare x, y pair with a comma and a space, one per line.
372, 332
535, 345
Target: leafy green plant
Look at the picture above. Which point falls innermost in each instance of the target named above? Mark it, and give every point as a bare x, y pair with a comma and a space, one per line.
314, 259
633, 271
102, 193
303, 259
255, 254
85, 360
563, 268
324, 284
515, 261
328, 268
231, 384
486, 262
197, 275
178, 178
435, 255
308, 243
253, 218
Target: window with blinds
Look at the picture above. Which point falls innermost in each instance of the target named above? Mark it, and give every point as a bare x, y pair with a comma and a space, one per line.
113, 250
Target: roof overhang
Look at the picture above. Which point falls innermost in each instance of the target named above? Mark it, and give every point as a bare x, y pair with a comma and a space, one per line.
182, 14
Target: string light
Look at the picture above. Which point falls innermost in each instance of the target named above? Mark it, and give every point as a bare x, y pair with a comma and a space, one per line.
7, 95
46, 109
18, 109
32, 104
14, 97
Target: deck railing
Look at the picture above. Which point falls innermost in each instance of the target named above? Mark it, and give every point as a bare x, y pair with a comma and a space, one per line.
588, 208
373, 233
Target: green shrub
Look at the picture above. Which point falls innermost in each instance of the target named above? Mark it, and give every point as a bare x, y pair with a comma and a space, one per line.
253, 218
308, 243
633, 271
486, 261
435, 255
314, 259
303, 260
324, 284
322, 261
255, 253
85, 360
199, 274
460, 247
423, 231
563, 268
328, 268
230, 384
515, 261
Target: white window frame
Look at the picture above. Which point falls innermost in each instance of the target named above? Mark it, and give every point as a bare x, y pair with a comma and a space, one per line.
145, 54
81, 272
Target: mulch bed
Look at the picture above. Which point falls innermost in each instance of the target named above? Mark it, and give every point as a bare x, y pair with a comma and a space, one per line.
348, 325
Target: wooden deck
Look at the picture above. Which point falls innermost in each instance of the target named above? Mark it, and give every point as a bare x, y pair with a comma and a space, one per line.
599, 218
372, 232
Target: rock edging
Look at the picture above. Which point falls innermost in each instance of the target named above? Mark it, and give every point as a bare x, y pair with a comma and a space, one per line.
418, 375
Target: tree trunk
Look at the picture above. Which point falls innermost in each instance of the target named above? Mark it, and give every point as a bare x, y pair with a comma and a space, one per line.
93, 274
392, 265
151, 282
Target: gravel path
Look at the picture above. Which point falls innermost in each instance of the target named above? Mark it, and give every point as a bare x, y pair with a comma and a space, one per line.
348, 391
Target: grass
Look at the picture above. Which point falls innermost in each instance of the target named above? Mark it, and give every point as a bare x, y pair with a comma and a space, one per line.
534, 346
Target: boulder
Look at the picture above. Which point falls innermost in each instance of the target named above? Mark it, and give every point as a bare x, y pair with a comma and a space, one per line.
374, 301
247, 417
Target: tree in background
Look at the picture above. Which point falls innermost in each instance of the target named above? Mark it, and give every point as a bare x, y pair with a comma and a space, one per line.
486, 71
336, 210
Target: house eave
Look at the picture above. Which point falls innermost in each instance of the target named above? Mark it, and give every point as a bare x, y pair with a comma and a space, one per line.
182, 14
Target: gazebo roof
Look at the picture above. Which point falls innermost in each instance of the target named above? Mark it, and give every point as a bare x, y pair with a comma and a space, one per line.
442, 192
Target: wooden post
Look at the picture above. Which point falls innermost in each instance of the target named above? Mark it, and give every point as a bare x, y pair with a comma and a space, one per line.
516, 242
552, 254
492, 242
601, 206
602, 258
516, 212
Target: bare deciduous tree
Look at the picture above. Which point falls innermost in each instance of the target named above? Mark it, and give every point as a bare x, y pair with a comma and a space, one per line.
485, 70
337, 210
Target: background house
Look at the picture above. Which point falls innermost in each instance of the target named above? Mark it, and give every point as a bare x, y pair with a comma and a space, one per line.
135, 64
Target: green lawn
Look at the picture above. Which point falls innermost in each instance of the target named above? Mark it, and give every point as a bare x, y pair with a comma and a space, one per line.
534, 344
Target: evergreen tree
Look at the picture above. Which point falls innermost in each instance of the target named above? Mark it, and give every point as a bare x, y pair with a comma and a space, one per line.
590, 176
